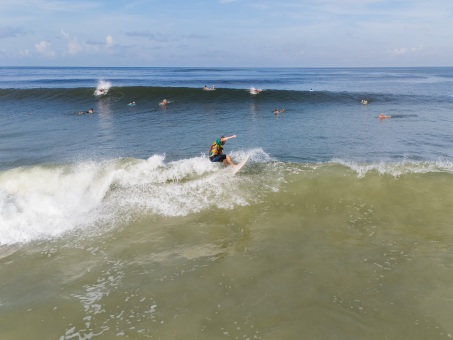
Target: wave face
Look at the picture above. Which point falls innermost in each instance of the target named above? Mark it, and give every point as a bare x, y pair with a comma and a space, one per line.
221, 95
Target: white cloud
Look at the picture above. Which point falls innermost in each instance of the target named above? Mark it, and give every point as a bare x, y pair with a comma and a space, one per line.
74, 46
109, 41
406, 50
44, 48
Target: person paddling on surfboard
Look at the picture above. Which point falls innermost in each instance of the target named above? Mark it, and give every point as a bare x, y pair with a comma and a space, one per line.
216, 151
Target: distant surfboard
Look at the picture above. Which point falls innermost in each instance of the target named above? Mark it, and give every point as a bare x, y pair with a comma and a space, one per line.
238, 167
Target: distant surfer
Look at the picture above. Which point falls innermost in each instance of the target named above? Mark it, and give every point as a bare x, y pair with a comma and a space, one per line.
216, 151
206, 88
254, 90
276, 111
164, 102
89, 111
382, 116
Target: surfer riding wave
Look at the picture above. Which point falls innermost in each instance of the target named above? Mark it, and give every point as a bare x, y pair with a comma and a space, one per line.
216, 151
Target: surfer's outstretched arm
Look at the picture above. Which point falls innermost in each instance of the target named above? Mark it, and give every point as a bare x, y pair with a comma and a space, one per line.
224, 139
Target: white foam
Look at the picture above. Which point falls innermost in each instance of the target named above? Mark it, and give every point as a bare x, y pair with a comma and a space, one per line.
45, 202
174, 189
397, 169
102, 88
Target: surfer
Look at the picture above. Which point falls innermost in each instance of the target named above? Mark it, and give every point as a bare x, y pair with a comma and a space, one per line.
216, 151
89, 111
254, 90
382, 116
206, 88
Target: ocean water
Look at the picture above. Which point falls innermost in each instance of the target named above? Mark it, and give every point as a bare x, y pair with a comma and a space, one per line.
116, 224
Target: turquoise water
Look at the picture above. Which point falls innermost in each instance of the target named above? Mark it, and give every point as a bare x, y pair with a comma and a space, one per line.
115, 224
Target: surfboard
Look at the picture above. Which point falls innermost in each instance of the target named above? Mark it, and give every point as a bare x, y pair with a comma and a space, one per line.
238, 167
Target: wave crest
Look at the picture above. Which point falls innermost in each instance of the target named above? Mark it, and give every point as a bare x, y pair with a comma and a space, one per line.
397, 169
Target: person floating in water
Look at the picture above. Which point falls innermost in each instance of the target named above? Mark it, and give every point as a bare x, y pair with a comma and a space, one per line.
206, 88
216, 151
164, 102
132, 103
89, 111
276, 111
382, 116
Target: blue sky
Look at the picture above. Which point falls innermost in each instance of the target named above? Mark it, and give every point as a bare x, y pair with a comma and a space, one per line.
261, 33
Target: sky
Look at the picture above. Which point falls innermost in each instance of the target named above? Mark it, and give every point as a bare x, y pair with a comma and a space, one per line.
226, 33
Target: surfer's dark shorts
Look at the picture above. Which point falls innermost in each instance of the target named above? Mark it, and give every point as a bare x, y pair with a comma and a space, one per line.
217, 158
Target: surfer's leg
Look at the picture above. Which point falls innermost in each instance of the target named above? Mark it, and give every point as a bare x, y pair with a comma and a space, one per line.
228, 159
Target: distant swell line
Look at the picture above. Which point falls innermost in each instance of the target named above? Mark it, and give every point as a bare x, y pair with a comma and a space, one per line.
183, 94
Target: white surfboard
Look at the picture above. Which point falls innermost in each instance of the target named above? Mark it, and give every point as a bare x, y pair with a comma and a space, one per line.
240, 165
